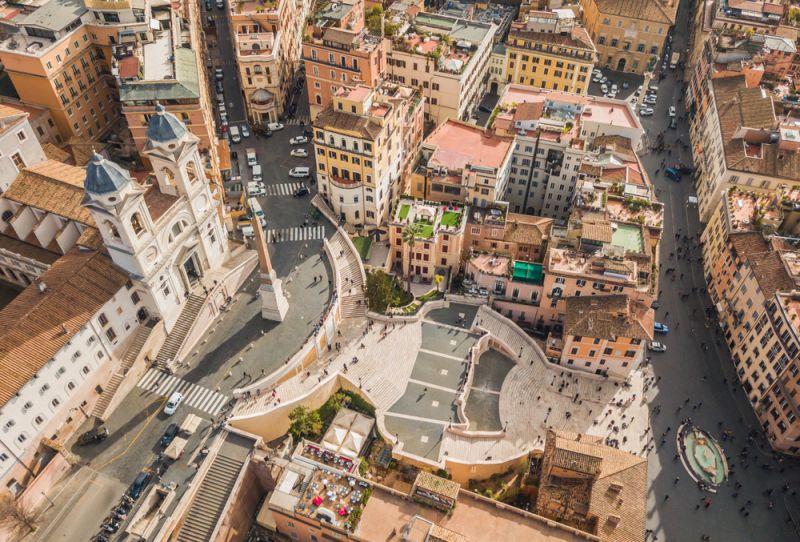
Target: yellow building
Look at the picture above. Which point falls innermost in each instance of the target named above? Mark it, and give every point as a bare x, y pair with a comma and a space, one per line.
363, 141
267, 38
562, 61
629, 34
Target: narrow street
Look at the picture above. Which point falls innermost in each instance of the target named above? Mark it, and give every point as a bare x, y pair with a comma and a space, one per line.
688, 371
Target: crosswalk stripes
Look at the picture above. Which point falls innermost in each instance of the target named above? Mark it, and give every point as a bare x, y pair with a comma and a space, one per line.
194, 395
282, 189
302, 119
282, 235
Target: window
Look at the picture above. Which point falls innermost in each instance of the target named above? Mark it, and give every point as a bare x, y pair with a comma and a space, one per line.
21, 135
136, 224
102, 319
55, 402
19, 163
110, 334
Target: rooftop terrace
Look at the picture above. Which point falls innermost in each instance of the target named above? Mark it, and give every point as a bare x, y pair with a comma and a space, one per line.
430, 217
752, 210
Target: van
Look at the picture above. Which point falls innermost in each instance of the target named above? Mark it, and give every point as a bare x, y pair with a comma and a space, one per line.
255, 208
138, 485
257, 173
235, 135
652, 87
173, 403
673, 173
256, 188
251, 157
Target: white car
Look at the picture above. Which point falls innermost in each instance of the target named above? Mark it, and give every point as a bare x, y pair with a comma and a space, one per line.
604, 79
245, 131
655, 346
612, 94
604, 89
173, 403
298, 140
219, 74
222, 109
614, 88
299, 172
672, 111
274, 126
299, 153
646, 111
651, 100
597, 73
596, 79
625, 84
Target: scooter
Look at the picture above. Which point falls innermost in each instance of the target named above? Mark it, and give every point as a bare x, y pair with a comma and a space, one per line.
111, 526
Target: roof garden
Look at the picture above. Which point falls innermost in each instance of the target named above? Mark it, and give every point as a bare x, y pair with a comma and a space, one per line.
430, 217
628, 236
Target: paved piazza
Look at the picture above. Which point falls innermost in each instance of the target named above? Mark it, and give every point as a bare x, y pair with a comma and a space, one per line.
417, 373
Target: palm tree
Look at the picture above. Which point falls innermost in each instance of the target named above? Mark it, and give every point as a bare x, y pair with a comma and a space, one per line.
410, 234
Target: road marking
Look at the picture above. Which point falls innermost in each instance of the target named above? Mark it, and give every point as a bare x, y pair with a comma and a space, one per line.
136, 437
282, 189
194, 395
283, 235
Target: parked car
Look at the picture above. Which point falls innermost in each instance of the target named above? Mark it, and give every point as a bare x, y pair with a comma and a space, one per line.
173, 403
658, 327
672, 111
98, 434
604, 88
138, 485
298, 140
646, 111
655, 346
484, 108
245, 131
220, 4
625, 84
208, 5
673, 173
614, 87
169, 435
275, 126
301, 171
302, 191
596, 79
299, 153
673, 123
218, 86
219, 74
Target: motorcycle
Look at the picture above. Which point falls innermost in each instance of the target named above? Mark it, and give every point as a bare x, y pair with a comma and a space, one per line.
111, 526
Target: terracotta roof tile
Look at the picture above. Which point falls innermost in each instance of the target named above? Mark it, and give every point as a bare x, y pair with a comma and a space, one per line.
660, 11
27, 250
52, 152
32, 326
54, 187
608, 317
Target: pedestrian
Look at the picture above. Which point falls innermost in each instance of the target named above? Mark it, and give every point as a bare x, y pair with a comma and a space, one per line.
666, 497
677, 479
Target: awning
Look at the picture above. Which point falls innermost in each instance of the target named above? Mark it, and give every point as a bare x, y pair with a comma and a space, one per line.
190, 424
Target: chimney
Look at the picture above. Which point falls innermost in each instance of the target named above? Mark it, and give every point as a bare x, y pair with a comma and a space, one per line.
42, 287
64, 329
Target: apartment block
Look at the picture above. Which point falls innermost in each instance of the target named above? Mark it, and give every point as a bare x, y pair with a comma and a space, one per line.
554, 132
60, 58
363, 141
426, 239
40, 119
605, 335
740, 141
629, 34
19, 147
446, 56
267, 39
560, 61
462, 162
494, 230
752, 279
758, 16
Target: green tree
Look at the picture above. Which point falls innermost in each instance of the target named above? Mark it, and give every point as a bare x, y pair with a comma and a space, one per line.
410, 234
379, 290
373, 18
304, 422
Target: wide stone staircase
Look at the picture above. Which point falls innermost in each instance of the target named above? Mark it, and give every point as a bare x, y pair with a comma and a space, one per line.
215, 489
180, 330
351, 282
112, 385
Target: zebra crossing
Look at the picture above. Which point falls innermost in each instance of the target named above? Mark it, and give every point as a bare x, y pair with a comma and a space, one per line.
301, 119
282, 189
281, 235
194, 395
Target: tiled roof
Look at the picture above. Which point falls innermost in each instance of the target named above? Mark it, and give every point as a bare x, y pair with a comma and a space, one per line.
83, 149
36, 325
767, 266
27, 250
53, 187
597, 232
619, 494
527, 230
740, 107
347, 122
660, 11
437, 484
9, 117
608, 317
55, 153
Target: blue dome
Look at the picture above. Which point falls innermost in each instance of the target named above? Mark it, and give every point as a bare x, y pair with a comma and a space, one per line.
104, 176
165, 126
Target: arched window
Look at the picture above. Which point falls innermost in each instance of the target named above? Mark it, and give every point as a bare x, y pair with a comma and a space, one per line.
7, 216
191, 172
176, 229
137, 224
168, 176
112, 229
71, 386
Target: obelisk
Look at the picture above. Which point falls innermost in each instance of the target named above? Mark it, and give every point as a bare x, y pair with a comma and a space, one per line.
273, 303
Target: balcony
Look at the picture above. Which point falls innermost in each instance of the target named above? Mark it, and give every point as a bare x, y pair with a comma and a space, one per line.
341, 182
260, 44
